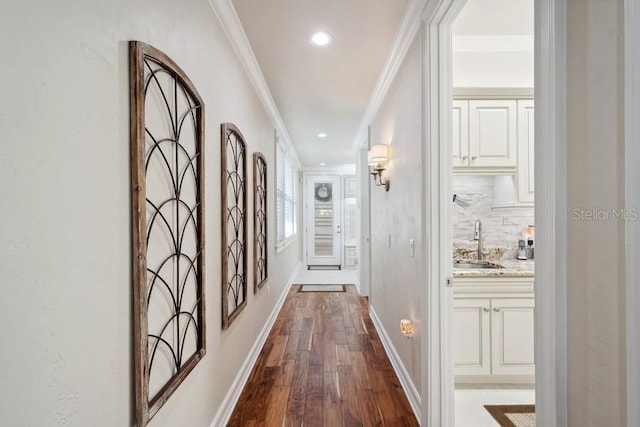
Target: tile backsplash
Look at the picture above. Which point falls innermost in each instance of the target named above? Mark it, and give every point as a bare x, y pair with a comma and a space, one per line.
501, 228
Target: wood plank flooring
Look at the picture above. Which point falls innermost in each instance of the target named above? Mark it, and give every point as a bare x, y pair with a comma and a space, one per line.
323, 364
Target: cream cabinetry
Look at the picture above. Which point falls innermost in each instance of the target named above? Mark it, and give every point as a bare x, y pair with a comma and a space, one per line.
493, 327
484, 136
496, 137
526, 154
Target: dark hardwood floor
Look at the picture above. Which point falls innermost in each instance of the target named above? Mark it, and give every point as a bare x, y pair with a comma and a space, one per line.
323, 364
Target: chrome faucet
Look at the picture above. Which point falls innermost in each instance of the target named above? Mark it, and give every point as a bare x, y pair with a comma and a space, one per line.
477, 235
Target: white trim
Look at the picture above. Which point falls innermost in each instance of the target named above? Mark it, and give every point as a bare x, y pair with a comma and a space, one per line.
403, 375
231, 399
437, 298
406, 34
632, 201
232, 26
550, 213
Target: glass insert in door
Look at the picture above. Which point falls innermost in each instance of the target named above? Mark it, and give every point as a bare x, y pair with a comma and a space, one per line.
323, 219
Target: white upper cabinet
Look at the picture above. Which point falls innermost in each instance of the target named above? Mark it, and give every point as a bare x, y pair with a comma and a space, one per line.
496, 137
492, 133
525, 176
484, 136
460, 134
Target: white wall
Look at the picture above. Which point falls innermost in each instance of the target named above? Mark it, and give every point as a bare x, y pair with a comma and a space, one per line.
492, 69
395, 276
65, 226
595, 179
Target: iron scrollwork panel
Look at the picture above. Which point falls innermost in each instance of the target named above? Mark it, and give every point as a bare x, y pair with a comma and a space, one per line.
167, 169
260, 221
234, 223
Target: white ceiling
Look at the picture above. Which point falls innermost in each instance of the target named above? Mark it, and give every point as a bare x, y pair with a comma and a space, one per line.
327, 89
324, 89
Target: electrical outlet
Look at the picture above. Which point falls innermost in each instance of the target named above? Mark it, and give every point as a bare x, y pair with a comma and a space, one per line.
412, 248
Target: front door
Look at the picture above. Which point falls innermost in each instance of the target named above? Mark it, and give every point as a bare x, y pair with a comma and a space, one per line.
323, 225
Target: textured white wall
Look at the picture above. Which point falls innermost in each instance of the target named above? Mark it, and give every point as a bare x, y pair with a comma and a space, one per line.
595, 179
65, 293
395, 276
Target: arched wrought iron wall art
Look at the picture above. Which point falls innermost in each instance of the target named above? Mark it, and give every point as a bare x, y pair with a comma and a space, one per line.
259, 221
167, 171
234, 223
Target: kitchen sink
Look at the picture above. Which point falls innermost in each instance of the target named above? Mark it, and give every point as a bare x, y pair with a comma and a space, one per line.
475, 265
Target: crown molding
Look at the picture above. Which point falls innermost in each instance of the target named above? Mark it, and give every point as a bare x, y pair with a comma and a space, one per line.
406, 34
232, 26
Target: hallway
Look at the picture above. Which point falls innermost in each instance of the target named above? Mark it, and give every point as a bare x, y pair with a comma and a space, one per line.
323, 365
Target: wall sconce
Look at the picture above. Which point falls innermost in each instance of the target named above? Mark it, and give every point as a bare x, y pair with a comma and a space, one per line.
406, 327
377, 157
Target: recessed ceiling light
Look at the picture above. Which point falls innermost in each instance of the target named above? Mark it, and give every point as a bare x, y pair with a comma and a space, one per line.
320, 38
322, 135
323, 164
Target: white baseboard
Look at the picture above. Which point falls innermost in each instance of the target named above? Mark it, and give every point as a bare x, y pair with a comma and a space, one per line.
402, 373
231, 399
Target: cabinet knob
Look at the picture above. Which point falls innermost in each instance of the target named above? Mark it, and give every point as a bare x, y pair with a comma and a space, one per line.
485, 309
465, 157
497, 310
474, 157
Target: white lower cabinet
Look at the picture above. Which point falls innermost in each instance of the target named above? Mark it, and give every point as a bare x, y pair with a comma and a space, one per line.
512, 336
493, 339
471, 341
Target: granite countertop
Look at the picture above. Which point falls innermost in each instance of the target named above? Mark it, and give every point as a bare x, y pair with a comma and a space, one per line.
512, 268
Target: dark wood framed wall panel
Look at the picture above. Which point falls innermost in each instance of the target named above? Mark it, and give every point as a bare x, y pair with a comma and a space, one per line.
167, 173
234, 223
260, 251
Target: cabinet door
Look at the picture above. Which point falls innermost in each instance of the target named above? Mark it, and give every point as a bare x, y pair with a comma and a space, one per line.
512, 330
492, 133
471, 336
526, 154
460, 133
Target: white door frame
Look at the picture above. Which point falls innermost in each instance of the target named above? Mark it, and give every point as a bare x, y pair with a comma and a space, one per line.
338, 203
551, 227
632, 201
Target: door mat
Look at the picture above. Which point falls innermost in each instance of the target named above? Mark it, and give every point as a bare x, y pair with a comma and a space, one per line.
322, 288
324, 267
513, 415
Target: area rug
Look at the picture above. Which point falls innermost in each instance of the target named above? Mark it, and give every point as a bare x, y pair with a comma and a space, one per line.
324, 267
322, 288
513, 415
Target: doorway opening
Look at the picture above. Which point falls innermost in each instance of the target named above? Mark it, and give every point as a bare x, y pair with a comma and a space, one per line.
492, 217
